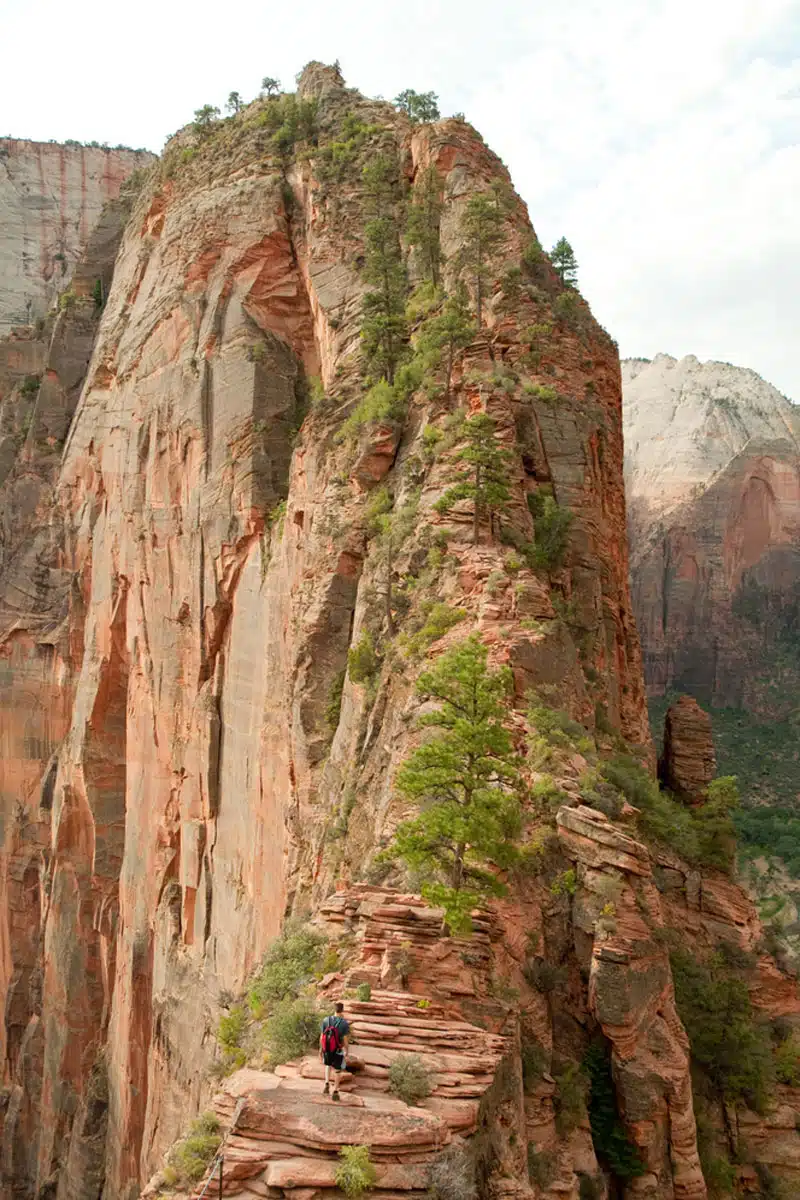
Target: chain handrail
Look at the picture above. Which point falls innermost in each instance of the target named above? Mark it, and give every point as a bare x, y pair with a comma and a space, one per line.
220, 1155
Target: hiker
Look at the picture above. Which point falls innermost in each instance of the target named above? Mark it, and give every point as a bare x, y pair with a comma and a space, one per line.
333, 1042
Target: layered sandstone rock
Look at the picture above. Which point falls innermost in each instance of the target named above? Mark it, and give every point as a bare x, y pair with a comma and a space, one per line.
713, 483
51, 197
688, 762
191, 762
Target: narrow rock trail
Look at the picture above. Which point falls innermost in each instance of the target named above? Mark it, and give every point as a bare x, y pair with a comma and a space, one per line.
288, 1134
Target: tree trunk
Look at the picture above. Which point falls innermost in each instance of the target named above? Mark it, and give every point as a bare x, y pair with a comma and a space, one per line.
458, 867
475, 517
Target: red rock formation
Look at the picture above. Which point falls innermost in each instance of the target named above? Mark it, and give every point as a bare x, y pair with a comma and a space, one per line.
208, 566
688, 762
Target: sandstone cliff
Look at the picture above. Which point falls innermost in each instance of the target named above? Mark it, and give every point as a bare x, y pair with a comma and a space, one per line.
188, 759
50, 199
713, 486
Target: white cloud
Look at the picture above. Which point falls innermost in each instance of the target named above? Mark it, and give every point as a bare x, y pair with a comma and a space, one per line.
661, 136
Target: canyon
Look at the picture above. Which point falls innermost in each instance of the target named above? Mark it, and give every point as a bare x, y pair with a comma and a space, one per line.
188, 562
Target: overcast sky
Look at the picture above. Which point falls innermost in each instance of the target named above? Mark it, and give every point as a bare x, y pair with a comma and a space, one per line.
661, 136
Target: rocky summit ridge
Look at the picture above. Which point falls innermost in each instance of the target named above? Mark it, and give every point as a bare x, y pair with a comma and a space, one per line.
209, 655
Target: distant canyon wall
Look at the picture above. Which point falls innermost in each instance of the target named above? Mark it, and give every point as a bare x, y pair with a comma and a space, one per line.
712, 473
51, 196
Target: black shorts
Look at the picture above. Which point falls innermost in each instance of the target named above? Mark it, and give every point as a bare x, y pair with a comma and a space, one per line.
333, 1059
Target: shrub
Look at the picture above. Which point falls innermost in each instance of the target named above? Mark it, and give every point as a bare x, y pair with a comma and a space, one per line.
726, 1041
541, 1166
787, 1062
30, 386
356, 1173
362, 660
334, 706
380, 403
363, 992
232, 1028
291, 962
565, 884
189, 1160
409, 1078
572, 1087
292, 1029
451, 1176
439, 619
551, 525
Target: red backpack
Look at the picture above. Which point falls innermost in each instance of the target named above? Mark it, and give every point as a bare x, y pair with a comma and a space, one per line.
331, 1037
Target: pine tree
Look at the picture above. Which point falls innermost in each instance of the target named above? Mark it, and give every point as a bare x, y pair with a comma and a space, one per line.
419, 107
383, 328
485, 478
441, 337
422, 227
270, 86
482, 231
205, 117
234, 104
390, 528
563, 259
467, 782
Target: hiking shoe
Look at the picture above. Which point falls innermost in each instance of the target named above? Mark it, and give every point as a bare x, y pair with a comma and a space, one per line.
335, 1096
326, 1089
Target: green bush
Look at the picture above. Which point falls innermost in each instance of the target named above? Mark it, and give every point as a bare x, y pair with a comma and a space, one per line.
362, 660
787, 1061
565, 884
356, 1173
542, 1166
232, 1028
551, 525
292, 1029
334, 706
292, 961
380, 403
544, 976
364, 992
438, 620
409, 1078
189, 1160
30, 386
572, 1088
729, 1045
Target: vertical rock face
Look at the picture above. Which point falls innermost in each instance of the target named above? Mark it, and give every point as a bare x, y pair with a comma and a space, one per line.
713, 483
189, 760
688, 763
50, 200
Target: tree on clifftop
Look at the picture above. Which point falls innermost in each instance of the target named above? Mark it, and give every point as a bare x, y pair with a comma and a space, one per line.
270, 86
205, 117
467, 782
419, 107
234, 104
563, 259
485, 477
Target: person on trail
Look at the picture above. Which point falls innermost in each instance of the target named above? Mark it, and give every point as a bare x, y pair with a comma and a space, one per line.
333, 1043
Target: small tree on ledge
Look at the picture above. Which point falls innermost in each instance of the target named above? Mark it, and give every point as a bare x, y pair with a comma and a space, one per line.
563, 259
467, 782
485, 478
